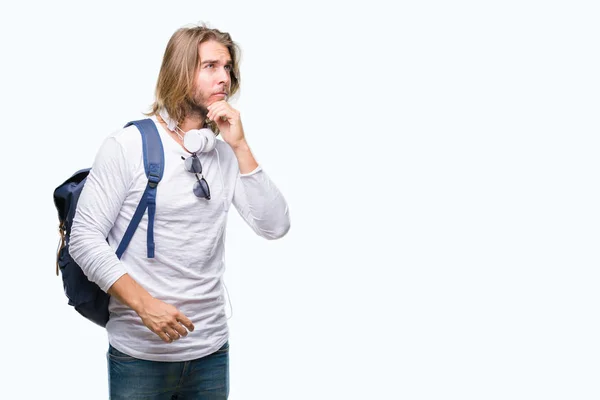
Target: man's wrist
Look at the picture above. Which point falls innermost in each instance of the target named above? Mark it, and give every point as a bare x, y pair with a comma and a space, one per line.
240, 146
244, 156
130, 293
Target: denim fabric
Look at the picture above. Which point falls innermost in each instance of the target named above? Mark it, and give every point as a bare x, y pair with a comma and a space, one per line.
205, 378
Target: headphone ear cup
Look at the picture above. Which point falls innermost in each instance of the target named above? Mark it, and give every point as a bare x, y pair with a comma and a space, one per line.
209, 139
199, 140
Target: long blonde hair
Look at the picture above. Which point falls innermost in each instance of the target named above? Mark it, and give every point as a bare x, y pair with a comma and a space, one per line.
175, 85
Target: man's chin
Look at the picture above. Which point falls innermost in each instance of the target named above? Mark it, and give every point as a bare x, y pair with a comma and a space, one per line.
217, 97
198, 108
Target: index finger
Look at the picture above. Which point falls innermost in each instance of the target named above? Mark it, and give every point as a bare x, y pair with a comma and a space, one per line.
216, 103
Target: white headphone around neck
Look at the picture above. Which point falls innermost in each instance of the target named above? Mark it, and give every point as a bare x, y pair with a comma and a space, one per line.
195, 140
199, 140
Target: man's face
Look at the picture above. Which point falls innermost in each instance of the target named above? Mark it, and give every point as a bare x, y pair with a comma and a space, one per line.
213, 80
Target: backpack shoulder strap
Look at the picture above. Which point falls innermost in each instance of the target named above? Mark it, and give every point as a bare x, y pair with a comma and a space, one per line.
154, 165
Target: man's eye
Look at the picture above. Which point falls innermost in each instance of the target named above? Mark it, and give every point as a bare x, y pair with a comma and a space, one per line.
209, 65
228, 67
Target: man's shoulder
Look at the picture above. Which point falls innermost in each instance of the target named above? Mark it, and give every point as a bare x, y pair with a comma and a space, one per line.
129, 137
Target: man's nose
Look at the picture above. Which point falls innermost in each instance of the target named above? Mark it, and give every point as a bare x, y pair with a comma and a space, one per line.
224, 77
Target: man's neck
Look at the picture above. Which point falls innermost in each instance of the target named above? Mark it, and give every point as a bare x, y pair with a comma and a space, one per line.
192, 122
188, 123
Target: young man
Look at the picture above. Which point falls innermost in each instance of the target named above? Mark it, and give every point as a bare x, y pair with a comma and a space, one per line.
168, 334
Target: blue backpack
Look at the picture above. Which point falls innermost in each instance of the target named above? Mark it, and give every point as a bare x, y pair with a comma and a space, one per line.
86, 296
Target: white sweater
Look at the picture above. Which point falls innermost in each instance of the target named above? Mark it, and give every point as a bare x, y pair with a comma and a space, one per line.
188, 266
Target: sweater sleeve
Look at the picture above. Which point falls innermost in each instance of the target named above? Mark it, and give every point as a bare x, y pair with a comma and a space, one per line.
261, 204
99, 205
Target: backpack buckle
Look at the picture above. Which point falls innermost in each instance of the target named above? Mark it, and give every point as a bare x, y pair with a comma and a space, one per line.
153, 180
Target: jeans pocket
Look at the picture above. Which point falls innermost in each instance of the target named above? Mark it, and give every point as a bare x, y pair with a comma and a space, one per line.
119, 355
224, 348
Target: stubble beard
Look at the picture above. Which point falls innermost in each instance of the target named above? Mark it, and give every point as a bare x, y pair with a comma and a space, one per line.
196, 106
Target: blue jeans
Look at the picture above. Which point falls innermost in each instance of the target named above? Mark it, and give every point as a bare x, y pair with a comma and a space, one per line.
201, 379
